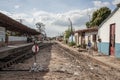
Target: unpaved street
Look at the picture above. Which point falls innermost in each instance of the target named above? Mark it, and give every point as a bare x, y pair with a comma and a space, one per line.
57, 63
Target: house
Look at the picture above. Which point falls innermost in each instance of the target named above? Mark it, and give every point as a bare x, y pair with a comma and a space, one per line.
83, 36
109, 34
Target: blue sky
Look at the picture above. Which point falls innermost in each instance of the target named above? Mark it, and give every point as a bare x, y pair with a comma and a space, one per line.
48, 5
54, 13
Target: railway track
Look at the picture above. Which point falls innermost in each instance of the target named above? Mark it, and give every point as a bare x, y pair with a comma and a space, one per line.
62, 62
18, 57
88, 64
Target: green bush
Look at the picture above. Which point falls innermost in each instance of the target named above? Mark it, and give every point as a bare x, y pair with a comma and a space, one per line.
72, 43
84, 46
78, 46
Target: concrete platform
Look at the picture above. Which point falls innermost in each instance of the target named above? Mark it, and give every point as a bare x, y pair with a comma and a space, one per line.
10, 49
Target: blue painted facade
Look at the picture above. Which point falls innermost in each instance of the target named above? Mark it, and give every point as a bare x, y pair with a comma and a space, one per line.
103, 47
72, 38
117, 50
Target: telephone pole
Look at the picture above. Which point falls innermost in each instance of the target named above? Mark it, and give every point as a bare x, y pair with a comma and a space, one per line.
71, 28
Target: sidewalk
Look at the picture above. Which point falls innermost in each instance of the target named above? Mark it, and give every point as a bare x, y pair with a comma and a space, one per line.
107, 60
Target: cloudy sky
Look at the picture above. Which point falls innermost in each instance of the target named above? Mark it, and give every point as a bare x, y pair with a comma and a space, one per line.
54, 13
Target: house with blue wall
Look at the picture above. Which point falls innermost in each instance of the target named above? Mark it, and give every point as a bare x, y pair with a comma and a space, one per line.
109, 34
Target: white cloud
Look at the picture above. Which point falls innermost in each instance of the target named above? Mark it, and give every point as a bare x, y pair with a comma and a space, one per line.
5, 12
99, 4
17, 6
19, 15
55, 23
116, 2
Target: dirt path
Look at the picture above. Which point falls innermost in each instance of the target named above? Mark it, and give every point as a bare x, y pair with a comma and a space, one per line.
60, 64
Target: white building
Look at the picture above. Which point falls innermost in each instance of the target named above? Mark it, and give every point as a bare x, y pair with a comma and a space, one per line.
109, 34
83, 36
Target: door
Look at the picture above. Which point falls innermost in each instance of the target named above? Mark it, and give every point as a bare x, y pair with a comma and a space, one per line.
112, 40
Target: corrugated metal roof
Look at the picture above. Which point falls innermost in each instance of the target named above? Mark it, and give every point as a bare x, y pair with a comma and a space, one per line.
12, 25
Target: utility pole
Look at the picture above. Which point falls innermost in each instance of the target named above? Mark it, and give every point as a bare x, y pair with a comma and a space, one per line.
70, 25
71, 28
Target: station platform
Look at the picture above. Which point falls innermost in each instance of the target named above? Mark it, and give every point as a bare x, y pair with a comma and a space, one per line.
10, 49
13, 46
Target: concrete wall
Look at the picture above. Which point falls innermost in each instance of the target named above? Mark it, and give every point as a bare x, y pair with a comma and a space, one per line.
79, 39
105, 29
2, 34
17, 40
76, 38
103, 47
117, 50
90, 34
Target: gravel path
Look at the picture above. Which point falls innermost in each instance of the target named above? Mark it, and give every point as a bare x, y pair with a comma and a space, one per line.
57, 63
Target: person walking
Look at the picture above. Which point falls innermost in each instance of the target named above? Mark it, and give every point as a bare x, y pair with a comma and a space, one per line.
89, 48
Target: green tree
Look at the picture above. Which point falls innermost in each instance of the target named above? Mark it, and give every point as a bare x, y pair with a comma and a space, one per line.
41, 28
98, 17
88, 24
67, 33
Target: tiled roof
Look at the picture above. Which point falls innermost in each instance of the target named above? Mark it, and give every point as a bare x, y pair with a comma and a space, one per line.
86, 30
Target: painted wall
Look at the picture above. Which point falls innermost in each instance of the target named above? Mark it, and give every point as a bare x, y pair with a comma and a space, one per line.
16, 38
103, 47
72, 38
117, 21
117, 50
104, 33
76, 38
79, 39
2, 34
91, 37
104, 30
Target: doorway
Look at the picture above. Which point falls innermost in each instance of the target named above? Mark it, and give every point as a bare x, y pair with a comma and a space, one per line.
112, 40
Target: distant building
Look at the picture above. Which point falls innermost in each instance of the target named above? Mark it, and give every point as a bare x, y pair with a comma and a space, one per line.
109, 34
83, 36
2, 36
13, 32
59, 38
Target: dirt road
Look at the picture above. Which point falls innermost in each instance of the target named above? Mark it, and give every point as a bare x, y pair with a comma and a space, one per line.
57, 63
